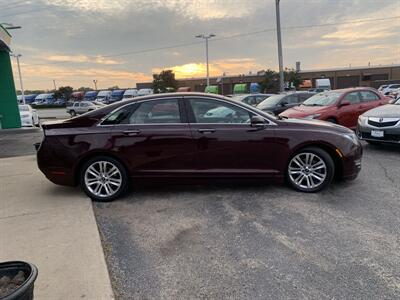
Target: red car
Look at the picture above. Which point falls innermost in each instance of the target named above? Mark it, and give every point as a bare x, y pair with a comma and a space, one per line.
338, 106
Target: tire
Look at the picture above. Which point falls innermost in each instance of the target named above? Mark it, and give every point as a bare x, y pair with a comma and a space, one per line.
302, 177
331, 120
97, 184
72, 113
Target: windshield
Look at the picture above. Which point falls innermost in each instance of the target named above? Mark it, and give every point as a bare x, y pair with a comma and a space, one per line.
323, 99
238, 97
23, 108
271, 101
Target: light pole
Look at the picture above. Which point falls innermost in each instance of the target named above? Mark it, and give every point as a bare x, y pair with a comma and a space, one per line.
206, 37
95, 84
17, 56
280, 56
55, 87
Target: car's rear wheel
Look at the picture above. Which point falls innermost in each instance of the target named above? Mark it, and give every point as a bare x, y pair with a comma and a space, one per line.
331, 120
104, 178
310, 170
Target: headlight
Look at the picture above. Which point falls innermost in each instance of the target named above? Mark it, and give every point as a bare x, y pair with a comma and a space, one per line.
362, 120
351, 136
310, 117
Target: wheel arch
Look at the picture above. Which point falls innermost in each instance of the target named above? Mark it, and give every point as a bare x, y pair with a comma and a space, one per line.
78, 166
329, 148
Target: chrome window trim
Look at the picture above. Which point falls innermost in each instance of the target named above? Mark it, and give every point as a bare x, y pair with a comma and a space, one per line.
270, 123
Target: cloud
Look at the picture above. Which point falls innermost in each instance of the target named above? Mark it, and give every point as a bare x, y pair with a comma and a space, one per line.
192, 9
81, 59
228, 66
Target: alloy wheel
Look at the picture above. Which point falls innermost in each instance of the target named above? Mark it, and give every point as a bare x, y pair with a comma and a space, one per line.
103, 179
307, 170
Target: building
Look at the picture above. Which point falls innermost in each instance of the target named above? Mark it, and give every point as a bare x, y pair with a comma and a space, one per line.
373, 76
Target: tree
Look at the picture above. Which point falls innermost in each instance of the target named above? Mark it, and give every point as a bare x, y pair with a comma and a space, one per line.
115, 87
270, 82
164, 82
84, 89
292, 78
63, 92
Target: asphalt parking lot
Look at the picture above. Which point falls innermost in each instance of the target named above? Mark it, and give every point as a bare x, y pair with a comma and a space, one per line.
252, 240
256, 241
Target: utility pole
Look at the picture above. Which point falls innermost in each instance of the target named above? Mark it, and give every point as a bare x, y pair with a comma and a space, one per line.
280, 56
95, 84
206, 37
17, 56
55, 87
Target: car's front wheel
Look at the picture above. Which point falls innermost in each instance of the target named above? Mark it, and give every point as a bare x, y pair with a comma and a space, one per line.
104, 178
310, 170
72, 113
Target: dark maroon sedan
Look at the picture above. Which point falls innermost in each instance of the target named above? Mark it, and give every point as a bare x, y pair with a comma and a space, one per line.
193, 135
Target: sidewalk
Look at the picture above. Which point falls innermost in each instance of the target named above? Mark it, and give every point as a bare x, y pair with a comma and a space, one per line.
54, 228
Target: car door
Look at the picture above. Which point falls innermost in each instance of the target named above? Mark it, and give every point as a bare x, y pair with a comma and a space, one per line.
226, 143
369, 100
347, 115
154, 137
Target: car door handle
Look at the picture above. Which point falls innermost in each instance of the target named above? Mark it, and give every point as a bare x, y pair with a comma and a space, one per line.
131, 132
206, 130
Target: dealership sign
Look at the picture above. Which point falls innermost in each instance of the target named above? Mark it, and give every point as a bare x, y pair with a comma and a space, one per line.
5, 38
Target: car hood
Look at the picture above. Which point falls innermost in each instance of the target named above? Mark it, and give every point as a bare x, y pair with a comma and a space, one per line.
317, 123
385, 111
302, 111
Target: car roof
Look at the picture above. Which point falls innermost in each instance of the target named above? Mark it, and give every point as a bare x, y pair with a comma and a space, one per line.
352, 89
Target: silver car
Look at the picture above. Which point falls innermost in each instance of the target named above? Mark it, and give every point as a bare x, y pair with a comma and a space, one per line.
81, 107
381, 124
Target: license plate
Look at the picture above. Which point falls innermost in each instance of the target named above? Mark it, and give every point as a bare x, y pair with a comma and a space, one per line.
377, 133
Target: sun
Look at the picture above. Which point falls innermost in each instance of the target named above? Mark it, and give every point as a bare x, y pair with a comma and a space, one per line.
189, 70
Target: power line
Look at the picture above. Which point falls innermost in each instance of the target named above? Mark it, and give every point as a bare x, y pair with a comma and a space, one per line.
226, 38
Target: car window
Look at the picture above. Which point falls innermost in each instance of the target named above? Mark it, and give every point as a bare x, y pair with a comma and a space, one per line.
290, 99
83, 104
368, 96
260, 99
352, 97
214, 111
156, 111
76, 104
120, 116
249, 100
304, 97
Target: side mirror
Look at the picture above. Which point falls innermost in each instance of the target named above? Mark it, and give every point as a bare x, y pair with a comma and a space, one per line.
344, 103
257, 121
284, 104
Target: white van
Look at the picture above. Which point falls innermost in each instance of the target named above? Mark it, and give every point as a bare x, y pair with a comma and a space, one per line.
129, 94
103, 96
323, 83
44, 99
144, 92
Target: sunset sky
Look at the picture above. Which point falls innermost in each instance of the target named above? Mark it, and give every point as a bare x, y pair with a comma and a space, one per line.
118, 42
